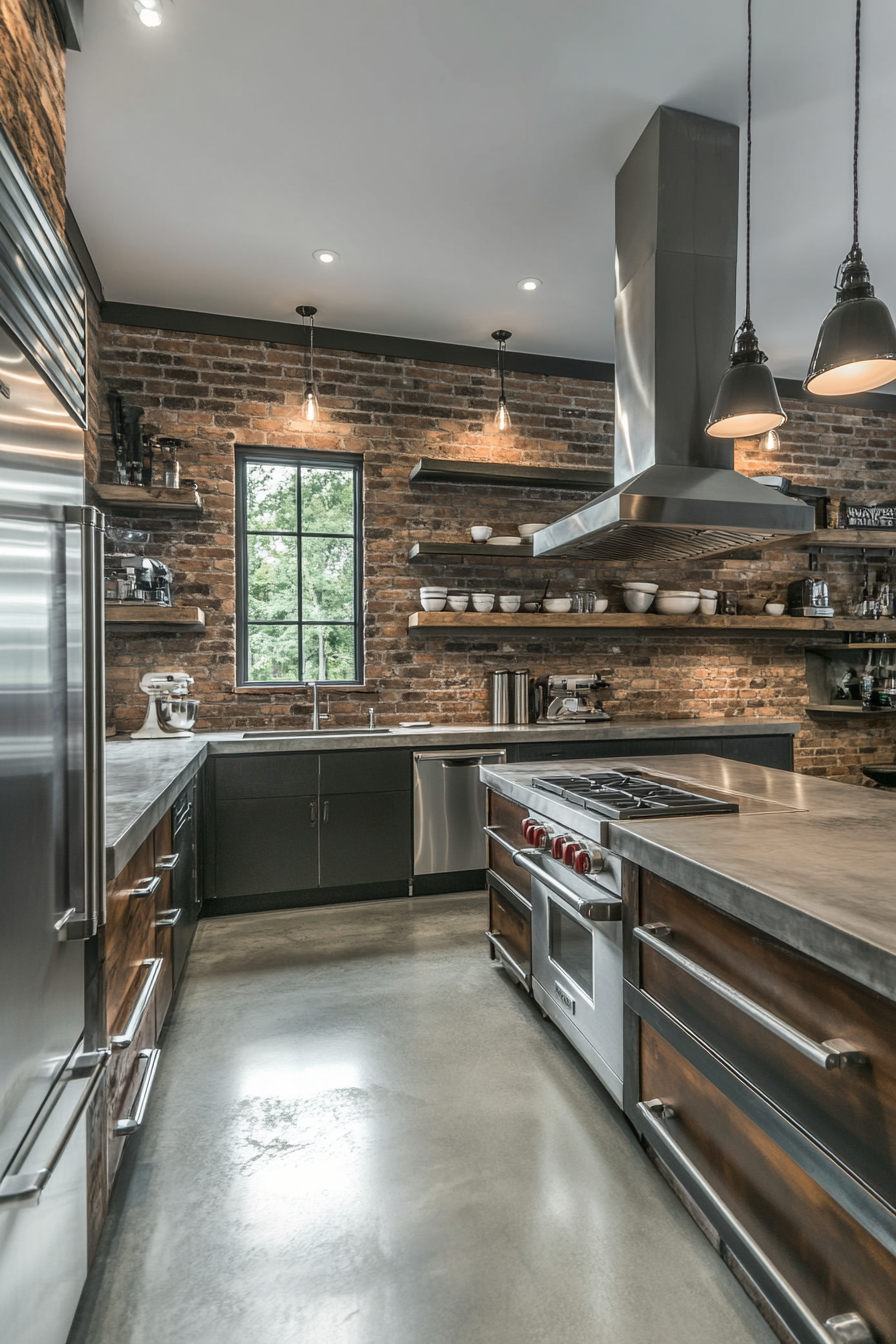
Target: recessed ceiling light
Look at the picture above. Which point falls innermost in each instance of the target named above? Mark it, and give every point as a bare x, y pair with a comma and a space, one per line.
148, 11
530, 283
326, 255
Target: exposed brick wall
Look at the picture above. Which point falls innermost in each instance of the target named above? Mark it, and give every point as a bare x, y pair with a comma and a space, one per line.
215, 392
32, 96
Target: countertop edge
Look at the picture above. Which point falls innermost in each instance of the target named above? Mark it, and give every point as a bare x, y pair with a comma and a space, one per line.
125, 845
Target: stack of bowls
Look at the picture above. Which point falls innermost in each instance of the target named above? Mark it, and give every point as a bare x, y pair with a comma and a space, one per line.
433, 599
483, 601
638, 596
458, 601
677, 603
510, 602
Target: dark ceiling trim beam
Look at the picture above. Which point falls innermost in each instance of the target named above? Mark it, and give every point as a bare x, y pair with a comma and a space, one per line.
360, 342
401, 347
75, 239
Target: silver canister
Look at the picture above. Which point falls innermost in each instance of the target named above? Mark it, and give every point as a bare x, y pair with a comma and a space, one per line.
520, 685
499, 697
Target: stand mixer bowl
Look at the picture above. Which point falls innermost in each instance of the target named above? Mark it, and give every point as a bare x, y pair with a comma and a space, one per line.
178, 712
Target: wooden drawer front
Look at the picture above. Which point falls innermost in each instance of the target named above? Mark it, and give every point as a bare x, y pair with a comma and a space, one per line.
365, 772
511, 927
506, 817
125, 1074
831, 1262
850, 1111
266, 775
129, 933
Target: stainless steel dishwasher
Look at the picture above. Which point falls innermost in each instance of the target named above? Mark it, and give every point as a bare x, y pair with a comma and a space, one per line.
449, 810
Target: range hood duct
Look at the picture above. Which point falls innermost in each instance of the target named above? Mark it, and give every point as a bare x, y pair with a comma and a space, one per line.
676, 494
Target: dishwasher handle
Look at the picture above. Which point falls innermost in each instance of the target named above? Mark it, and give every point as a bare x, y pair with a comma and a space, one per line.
498, 756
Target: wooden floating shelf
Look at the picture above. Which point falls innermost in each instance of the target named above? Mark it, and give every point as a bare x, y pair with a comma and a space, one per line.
854, 708
421, 551
442, 471
134, 499
137, 619
833, 539
626, 620
840, 649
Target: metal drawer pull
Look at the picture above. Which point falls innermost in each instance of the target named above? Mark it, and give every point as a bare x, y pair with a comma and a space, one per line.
849, 1328
138, 1012
61, 922
499, 840
132, 1122
835, 1054
504, 955
146, 886
25, 1189
167, 862
168, 918
598, 909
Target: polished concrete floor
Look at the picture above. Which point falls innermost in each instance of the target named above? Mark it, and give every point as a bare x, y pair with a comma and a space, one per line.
362, 1133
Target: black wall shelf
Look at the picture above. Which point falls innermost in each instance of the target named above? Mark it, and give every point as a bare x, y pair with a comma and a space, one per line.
443, 471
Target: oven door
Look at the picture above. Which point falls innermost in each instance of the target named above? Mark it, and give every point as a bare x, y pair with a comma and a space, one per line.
577, 981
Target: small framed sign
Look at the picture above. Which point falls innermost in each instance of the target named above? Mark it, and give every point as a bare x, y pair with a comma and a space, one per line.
869, 515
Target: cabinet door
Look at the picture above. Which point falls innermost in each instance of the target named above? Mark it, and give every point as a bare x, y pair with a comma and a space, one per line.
365, 837
265, 844
621, 748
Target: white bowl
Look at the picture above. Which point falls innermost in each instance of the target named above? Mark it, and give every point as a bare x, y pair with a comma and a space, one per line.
677, 604
641, 587
531, 606
557, 606
601, 605
433, 592
529, 529
504, 541
775, 608
509, 603
677, 592
480, 533
483, 601
709, 606
459, 603
637, 601
709, 592
433, 603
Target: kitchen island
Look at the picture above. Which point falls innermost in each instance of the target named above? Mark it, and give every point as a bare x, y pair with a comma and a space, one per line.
757, 968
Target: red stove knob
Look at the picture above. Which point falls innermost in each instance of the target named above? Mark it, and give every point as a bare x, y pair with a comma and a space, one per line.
557, 845
537, 837
525, 827
570, 850
582, 862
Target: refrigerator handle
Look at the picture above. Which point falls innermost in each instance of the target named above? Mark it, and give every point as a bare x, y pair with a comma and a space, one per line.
92, 526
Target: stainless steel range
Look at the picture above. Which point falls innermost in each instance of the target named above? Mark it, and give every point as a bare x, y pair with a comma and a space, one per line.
576, 885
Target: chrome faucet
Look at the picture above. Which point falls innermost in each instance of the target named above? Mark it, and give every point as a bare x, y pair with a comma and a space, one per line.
315, 709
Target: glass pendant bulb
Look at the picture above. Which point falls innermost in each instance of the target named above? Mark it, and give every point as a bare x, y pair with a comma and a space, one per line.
770, 442
856, 347
502, 415
310, 404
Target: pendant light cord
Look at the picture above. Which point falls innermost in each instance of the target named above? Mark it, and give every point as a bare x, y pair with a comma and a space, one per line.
501, 365
750, 144
855, 141
311, 351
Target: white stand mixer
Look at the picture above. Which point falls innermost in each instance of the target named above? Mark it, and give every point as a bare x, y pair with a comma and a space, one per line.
170, 713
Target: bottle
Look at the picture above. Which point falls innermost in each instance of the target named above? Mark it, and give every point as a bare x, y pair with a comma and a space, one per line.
170, 464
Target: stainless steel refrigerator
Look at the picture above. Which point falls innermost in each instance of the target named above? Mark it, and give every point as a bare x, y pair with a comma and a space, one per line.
51, 847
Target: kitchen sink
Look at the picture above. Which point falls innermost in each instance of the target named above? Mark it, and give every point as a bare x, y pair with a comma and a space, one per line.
322, 732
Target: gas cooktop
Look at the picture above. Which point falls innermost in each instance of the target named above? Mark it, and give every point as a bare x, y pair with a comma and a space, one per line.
629, 797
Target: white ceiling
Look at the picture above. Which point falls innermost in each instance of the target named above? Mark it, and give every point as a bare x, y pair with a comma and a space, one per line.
449, 148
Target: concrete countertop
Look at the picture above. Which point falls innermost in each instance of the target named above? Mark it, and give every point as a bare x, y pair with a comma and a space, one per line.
821, 878
143, 778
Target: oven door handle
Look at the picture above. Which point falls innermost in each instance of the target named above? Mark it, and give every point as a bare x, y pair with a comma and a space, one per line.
598, 909
499, 839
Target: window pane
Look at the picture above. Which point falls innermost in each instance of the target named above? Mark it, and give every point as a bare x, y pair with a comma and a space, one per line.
328, 652
328, 499
273, 653
270, 498
328, 579
273, 579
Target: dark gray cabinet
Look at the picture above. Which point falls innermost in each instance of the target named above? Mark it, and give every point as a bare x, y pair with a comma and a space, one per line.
365, 837
265, 845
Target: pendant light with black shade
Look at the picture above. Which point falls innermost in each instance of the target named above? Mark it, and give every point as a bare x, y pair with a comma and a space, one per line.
747, 403
856, 347
310, 404
502, 415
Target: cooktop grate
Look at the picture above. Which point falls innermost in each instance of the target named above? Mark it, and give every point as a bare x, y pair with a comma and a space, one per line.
629, 797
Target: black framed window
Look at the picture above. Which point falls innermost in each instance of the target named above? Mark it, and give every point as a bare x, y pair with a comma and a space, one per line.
299, 557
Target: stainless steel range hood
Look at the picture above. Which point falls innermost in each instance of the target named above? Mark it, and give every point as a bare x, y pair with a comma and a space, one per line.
677, 494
